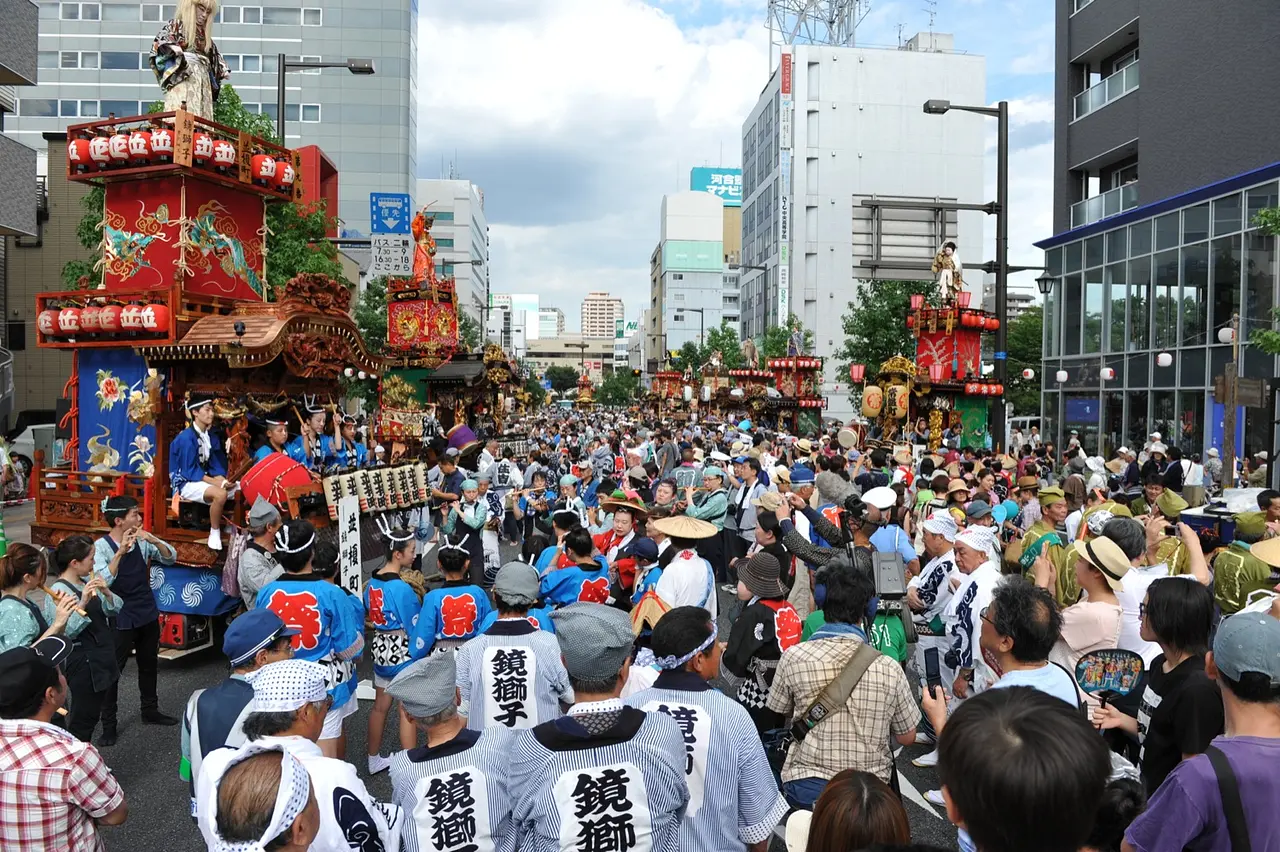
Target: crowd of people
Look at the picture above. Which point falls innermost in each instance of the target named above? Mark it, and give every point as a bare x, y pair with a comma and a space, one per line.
715, 635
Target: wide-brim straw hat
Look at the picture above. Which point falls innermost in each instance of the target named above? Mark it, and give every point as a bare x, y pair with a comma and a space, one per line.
1105, 555
683, 526
1116, 466
632, 504
957, 485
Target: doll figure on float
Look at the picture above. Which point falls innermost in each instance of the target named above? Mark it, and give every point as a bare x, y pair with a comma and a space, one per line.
946, 265
186, 62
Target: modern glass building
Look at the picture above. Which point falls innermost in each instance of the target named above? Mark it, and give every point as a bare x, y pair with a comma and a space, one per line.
1164, 277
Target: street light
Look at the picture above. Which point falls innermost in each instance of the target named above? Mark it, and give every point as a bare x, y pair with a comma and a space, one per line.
702, 320
1045, 283
355, 66
1001, 113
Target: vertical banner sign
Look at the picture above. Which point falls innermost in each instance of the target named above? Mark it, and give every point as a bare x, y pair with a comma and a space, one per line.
786, 71
786, 110
349, 562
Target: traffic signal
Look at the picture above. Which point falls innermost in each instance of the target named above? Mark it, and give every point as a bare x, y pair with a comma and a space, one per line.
635, 373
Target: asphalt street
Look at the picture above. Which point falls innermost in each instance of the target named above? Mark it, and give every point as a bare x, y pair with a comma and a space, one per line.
145, 759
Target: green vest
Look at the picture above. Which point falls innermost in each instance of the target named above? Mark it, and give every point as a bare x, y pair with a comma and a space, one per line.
1236, 574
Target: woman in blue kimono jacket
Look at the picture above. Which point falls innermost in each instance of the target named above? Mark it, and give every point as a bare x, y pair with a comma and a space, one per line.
312, 447
347, 452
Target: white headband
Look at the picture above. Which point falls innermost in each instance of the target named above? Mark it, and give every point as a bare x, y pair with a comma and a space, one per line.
677, 662
309, 403
196, 402
461, 545
282, 541
384, 527
291, 798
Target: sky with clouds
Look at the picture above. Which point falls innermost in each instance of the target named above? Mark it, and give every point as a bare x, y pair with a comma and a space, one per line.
576, 116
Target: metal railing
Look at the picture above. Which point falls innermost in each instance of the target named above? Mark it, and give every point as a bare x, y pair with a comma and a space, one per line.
1105, 91
1106, 204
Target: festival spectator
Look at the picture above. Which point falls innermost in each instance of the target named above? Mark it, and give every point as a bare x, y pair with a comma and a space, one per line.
258, 565
23, 622
1094, 622
265, 801
92, 666
856, 811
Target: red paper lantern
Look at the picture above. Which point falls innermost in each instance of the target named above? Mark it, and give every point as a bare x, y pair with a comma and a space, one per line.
140, 147
935, 373
118, 147
917, 301
47, 323
224, 155
283, 179
131, 318
857, 372
78, 154
995, 323
264, 169
68, 322
161, 145
155, 318
999, 390
963, 297
100, 151
202, 151
91, 318
109, 318
911, 320
970, 388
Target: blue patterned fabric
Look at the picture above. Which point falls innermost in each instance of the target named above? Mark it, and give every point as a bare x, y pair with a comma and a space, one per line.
191, 591
112, 399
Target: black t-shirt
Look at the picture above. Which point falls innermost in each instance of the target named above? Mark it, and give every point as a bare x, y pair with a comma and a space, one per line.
1181, 712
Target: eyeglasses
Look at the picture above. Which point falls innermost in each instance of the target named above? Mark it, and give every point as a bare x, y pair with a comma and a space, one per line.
982, 613
1142, 610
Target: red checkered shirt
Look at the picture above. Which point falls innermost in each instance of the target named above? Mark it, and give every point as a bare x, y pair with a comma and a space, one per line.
52, 788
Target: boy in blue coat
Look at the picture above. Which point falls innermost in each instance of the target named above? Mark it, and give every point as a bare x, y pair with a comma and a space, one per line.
394, 608
586, 578
453, 613
329, 621
198, 465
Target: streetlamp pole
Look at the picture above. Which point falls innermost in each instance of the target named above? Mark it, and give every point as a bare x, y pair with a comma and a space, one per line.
1002, 268
283, 64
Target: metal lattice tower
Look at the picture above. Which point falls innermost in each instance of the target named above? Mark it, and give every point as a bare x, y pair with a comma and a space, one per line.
829, 22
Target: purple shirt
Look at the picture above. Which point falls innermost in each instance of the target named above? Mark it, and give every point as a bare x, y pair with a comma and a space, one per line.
1186, 811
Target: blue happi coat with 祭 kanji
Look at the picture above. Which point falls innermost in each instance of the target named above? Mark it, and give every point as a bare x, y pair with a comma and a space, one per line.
539, 617
451, 613
330, 621
733, 800
393, 608
185, 464
623, 788
512, 676
563, 586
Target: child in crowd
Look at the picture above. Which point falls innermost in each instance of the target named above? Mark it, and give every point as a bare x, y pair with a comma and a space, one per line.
393, 608
453, 613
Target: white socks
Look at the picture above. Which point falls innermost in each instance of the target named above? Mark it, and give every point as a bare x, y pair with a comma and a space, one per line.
215, 539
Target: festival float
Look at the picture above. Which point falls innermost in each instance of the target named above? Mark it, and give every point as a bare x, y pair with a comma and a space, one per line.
944, 384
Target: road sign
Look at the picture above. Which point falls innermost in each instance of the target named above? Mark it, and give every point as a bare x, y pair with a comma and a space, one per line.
390, 212
392, 255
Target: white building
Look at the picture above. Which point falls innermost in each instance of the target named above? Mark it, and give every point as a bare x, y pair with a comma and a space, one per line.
691, 288
550, 323
509, 320
600, 312
853, 124
461, 233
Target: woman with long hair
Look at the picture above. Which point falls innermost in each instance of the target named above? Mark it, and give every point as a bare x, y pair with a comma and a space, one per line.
22, 621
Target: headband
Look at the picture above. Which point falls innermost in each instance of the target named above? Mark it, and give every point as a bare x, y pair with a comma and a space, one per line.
271, 422
677, 662
309, 403
1099, 564
291, 798
460, 546
197, 402
384, 527
282, 541
105, 510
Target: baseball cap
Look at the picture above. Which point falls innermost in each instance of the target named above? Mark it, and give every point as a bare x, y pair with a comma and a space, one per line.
251, 632
24, 672
978, 509
801, 475
1246, 642
642, 548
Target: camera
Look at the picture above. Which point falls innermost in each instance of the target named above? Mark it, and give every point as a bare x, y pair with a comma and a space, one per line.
855, 507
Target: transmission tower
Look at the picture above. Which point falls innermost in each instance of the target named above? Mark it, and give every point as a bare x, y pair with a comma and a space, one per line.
829, 22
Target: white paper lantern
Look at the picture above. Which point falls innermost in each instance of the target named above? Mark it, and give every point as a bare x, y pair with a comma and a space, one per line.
349, 372
688, 393
1061, 375
1164, 359
1028, 374
1226, 334
1108, 374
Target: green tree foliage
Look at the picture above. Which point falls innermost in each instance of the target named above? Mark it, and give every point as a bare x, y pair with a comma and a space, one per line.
1025, 342
297, 241
562, 378
618, 389
725, 341
536, 391
774, 342
1267, 339
468, 331
690, 356
371, 315
875, 327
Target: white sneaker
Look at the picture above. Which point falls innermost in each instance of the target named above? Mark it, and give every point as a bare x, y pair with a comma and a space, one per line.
378, 763
925, 738
926, 760
215, 539
935, 797
728, 587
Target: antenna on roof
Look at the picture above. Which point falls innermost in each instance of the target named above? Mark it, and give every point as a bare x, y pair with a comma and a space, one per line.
932, 12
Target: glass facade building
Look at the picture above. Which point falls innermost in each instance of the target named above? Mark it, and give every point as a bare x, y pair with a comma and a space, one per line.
1165, 277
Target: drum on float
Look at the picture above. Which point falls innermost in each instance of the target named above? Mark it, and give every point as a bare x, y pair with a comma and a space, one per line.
270, 477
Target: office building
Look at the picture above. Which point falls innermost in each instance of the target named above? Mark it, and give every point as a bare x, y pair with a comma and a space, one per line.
510, 317
1019, 301
1148, 273
93, 59
592, 354
692, 288
625, 332
550, 322
849, 122
600, 312
461, 233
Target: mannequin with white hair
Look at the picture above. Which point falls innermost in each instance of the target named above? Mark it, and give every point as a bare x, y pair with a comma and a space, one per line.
186, 62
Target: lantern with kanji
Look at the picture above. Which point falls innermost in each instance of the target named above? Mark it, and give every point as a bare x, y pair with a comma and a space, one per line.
161, 145
47, 323
78, 154
284, 176
154, 318
202, 150
140, 147
69, 322
91, 318
100, 151
224, 155
264, 169
109, 318
898, 401
118, 148
872, 401
131, 318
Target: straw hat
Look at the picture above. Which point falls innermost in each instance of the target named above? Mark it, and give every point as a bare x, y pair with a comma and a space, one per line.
683, 526
631, 503
769, 501
1116, 466
1105, 555
902, 457
1028, 483
1007, 462
957, 485
804, 446
1268, 550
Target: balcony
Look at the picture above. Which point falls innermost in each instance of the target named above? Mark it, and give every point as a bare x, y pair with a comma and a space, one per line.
1105, 91
1080, 4
1101, 206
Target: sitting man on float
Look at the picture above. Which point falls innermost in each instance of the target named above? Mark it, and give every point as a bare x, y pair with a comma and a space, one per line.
198, 465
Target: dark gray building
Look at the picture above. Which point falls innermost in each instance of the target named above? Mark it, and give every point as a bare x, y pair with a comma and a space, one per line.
1166, 116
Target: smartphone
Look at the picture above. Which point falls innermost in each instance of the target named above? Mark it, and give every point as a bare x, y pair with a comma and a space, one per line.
932, 668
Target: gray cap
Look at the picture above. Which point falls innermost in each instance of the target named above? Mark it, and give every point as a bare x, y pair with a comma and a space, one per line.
483, 476
262, 512
516, 583
1248, 642
427, 687
595, 640
978, 509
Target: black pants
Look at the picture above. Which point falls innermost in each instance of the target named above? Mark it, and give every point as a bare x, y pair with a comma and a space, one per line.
86, 703
145, 640
712, 550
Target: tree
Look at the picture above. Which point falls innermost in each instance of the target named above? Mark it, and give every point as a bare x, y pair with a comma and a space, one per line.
296, 241
689, 357
536, 391
875, 326
618, 389
775, 340
468, 331
725, 341
562, 378
1025, 342
1267, 339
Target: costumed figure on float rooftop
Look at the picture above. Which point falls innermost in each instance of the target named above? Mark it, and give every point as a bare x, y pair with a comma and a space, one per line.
946, 265
187, 63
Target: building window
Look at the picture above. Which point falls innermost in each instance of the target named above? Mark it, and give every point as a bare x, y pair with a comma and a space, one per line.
311, 113
119, 12
15, 335
677, 276
281, 16
444, 242
80, 11
39, 107
119, 60
155, 12
69, 109
250, 63
119, 109
312, 17
81, 59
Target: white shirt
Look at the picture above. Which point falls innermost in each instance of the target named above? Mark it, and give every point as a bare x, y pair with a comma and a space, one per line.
348, 813
1194, 476
1073, 524
685, 581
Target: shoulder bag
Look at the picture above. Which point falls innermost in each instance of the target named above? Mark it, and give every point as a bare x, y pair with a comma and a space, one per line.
1232, 806
835, 694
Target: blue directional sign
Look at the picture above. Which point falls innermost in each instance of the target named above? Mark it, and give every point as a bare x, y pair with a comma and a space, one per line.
390, 212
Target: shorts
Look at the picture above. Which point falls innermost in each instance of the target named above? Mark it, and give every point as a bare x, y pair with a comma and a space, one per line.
193, 492
334, 718
380, 682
